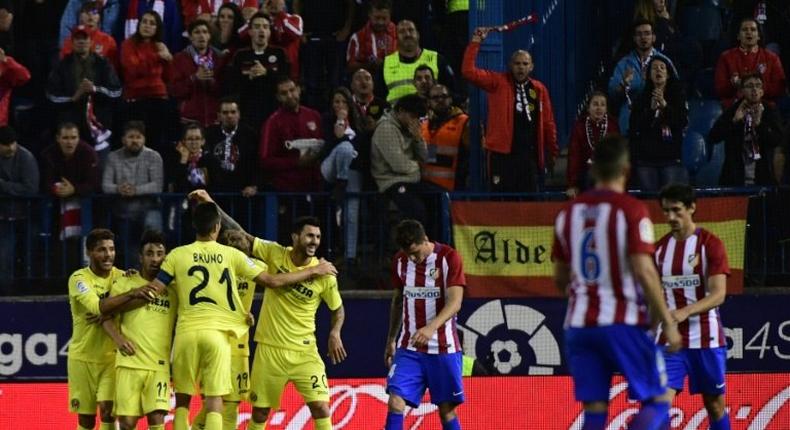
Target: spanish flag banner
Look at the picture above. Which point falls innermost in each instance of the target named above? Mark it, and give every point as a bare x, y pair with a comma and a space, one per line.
506, 246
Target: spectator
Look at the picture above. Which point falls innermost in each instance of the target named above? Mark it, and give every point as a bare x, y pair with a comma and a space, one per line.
658, 120
84, 89
229, 24
369, 110
521, 136
6, 21
424, 80
207, 10
196, 168
195, 77
327, 26
588, 130
254, 71
135, 174
657, 13
446, 132
70, 166
396, 153
630, 74
234, 148
170, 27
145, 63
399, 67
102, 44
748, 57
110, 15
754, 149
368, 47
454, 32
287, 30
12, 75
288, 169
18, 178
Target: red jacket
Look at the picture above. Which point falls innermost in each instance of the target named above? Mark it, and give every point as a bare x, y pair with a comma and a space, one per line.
12, 75
579, 150
281, 165
197, 100
101, 43
501, 103
736, 61
366, 47
144, 72
287, 31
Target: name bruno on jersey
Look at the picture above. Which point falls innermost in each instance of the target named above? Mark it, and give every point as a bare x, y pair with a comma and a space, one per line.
206, 258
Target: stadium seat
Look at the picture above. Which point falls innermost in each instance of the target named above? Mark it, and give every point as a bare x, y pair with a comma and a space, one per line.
694, 151
702, 114
708, 174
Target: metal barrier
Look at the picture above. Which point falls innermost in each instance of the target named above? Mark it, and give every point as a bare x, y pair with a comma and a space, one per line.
35, 259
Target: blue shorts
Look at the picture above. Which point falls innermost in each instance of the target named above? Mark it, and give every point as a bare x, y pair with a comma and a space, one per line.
595, 353
412, 372
705, 368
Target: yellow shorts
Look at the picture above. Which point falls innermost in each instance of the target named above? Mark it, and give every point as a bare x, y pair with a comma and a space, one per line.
89, 383
274, 367
139, 392
203, 356
240, 378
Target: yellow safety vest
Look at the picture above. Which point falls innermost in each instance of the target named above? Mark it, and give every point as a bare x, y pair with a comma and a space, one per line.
399, 77
457, 5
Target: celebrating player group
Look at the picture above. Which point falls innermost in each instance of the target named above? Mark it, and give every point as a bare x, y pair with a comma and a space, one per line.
183, 319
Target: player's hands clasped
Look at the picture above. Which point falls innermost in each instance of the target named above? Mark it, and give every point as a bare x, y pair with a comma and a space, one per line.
422, 336
337, 353
674, 341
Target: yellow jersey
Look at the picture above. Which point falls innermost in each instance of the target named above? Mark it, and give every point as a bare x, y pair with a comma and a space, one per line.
149, 327
89, 341
247, 293
204, 275
287, 318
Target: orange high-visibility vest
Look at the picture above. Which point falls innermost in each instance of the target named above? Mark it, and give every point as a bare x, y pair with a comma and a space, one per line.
444, 145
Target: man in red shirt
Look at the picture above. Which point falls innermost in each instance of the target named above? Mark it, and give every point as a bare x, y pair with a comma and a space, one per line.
377, 39
748, 57
101, 43
287, 29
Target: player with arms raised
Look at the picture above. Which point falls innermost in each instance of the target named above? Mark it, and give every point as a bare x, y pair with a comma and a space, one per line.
693, 266
210, 312
603, 247
429, 286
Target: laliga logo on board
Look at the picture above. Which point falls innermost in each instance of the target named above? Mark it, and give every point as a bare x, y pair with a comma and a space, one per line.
516, 337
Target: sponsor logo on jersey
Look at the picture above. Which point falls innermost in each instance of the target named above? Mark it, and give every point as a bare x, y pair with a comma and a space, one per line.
681, 281
422, 292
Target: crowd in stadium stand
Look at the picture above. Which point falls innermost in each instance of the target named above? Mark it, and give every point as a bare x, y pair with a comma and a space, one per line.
232, 96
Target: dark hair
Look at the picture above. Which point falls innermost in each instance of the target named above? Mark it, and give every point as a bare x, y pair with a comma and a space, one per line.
7, 135
298, 225
238, 22
91, 5
609, 157
281, 79
380, 5
97, 235
353, 113
682, 193
640, 22
134, 125
157, 37
751, 76
411, 103
409, 232
152, 237
260, 14
197, 23
205, 216
193, 126
229, 99
423, 67
65, 125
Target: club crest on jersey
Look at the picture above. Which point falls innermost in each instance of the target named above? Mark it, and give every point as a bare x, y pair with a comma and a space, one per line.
693, 260
435, 273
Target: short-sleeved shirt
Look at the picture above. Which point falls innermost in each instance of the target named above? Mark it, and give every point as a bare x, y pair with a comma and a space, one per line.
241, 346
424, 287
149, 327
204, 275
287, 317
89, 342
685, 267
595, 235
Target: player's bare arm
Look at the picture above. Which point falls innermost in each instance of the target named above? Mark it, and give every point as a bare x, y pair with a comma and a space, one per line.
282, 279
124, 345
455, 295
337, 352
115, 304
717, 288
645, 271
227, 221
396, 319
562, 276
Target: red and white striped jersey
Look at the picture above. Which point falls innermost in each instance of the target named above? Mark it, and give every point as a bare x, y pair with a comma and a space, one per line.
684, 267
595, 235
424, 290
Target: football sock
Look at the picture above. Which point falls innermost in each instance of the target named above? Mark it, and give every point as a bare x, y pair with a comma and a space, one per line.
107, 426
394, 421
200, 419
230, 415
181, 419
453, 424
213, 421
323, 423
652, 416
159, 427
722, 424
252, 425
594, 420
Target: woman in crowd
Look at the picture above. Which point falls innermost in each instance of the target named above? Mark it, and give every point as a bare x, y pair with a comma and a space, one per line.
587, 131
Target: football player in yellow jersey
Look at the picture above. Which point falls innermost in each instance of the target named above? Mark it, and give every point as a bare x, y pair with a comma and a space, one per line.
285, 335
210, 312
91, 357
